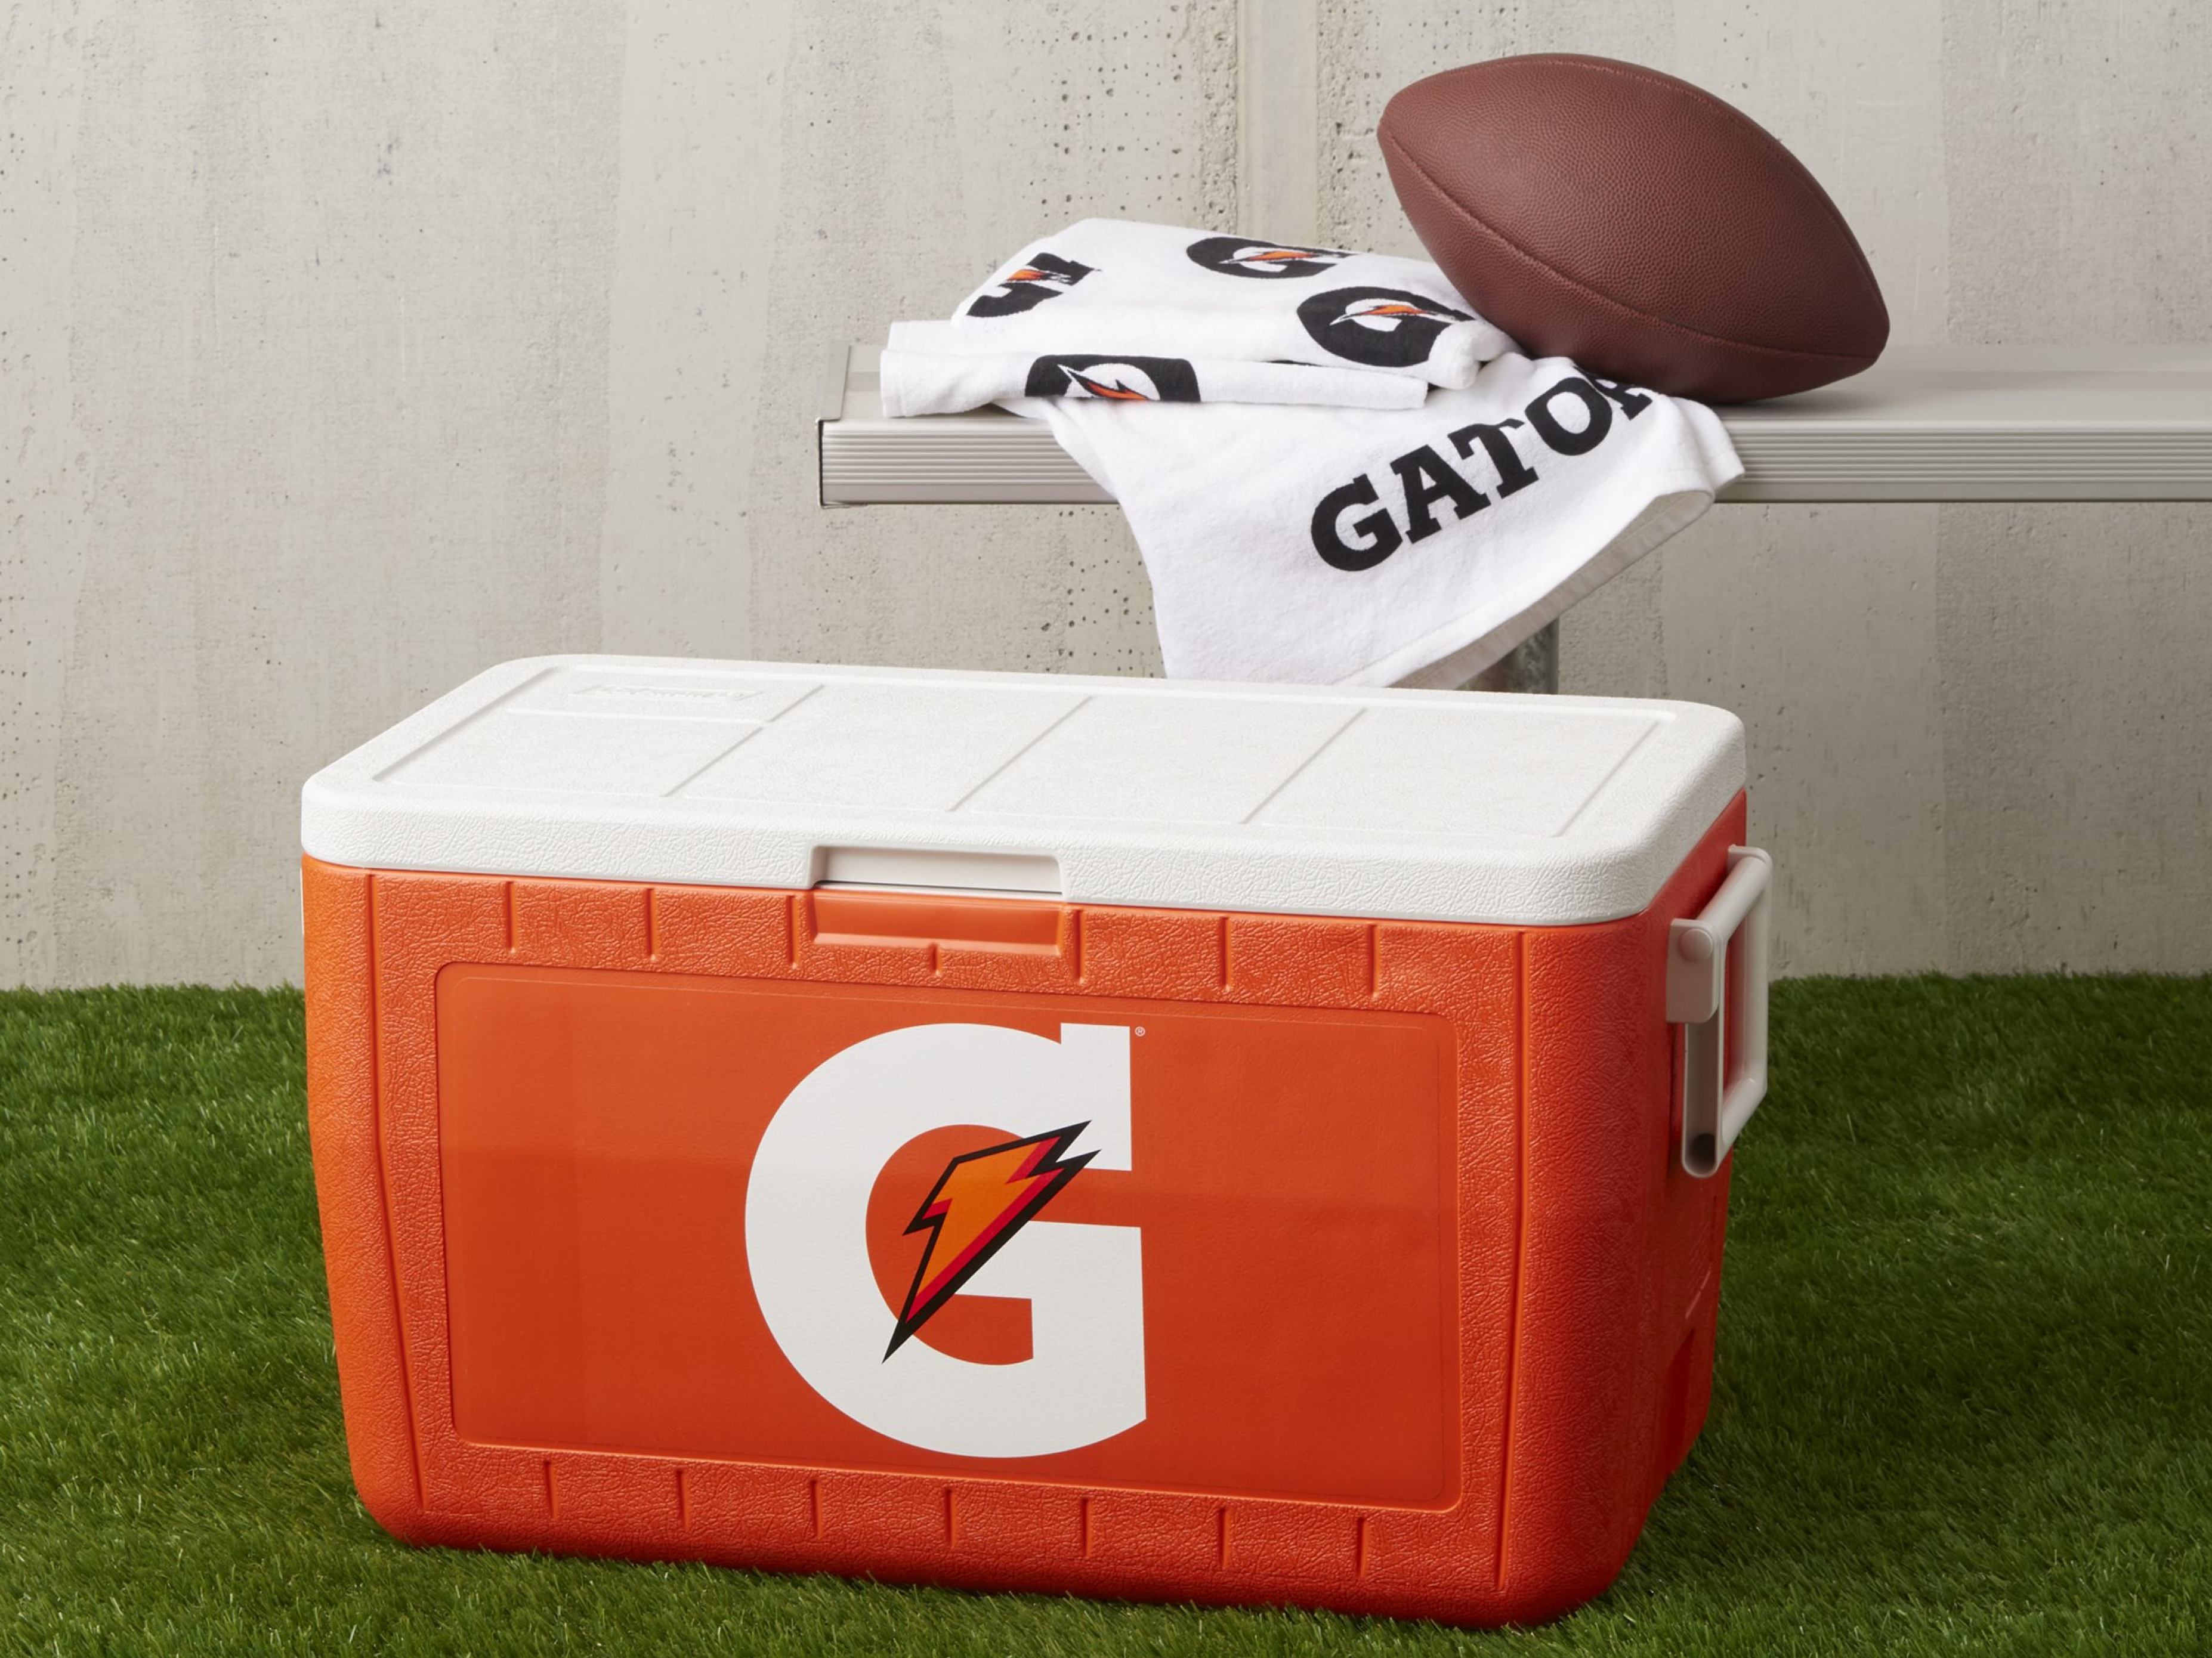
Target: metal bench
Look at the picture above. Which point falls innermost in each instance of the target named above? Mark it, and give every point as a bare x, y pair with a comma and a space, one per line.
1927, 423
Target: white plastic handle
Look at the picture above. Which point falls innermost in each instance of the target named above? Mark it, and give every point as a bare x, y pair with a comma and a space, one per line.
1701, 969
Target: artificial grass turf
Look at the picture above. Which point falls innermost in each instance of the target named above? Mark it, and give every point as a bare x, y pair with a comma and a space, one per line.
1965, 1394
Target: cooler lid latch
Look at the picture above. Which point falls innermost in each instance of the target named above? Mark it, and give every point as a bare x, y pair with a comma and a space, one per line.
1722, 950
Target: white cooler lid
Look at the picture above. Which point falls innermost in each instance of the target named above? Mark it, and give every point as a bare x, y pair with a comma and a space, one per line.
1432, 806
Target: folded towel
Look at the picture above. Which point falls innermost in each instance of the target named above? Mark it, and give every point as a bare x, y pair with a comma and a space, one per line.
943, 383
1112, 290
1335, 546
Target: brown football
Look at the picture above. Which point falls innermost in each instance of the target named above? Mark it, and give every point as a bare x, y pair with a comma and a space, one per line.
1602, 211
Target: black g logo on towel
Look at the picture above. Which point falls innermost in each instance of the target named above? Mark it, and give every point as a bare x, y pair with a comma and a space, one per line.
1240, 255
1378, 327
1116, 379
1047, 276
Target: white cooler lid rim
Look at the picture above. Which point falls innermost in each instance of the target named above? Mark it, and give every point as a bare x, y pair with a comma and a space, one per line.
1382, 804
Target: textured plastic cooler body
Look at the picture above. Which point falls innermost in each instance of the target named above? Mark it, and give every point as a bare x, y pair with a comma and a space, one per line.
535, 1103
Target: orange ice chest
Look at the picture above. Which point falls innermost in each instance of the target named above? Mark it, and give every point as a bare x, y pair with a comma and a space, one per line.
1217, 1143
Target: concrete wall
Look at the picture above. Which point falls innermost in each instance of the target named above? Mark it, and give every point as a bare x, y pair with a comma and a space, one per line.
345, 348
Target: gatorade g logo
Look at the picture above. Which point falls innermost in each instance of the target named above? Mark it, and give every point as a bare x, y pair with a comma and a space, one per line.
1117, 379
1240, 255
1064, 1105
1044, 277
1380, 327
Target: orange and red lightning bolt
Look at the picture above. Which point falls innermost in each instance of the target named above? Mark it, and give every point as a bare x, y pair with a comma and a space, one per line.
1392, 308
980, 1201
1098, 388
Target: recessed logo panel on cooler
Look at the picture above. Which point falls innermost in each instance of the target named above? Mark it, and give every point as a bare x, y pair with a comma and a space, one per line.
1110, 1243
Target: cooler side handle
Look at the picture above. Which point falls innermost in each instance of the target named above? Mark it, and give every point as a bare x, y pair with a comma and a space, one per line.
1701, 969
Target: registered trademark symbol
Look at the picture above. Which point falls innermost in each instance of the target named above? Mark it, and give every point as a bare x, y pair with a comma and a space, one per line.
1140, 1031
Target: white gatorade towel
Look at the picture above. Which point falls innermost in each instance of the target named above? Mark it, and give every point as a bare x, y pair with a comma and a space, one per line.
1171, 313
1373, 547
